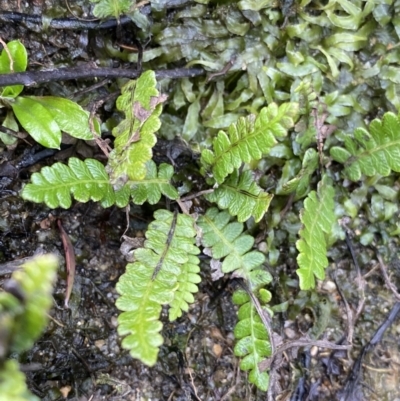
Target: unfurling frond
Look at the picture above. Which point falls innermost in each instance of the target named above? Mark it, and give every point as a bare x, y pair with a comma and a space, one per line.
248, 139
241, 195
318, 218
164, 273
374, 152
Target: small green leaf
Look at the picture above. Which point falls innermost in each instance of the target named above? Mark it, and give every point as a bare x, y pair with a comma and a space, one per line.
69, 116
37, 121
19, 62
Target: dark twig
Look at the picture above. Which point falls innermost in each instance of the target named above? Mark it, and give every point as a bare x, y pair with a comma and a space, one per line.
61, 23
88, 71
389, 284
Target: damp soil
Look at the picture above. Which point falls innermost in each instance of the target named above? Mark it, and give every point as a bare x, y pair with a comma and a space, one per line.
79, 356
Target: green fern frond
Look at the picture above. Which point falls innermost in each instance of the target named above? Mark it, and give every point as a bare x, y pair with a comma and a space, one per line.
248, 139
226, 240
88, 180
318, 218
135, 135
241, 195
253, 341
153, 279
371, 153
84, 181
154, 184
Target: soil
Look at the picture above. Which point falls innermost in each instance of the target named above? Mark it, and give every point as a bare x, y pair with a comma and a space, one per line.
79, 356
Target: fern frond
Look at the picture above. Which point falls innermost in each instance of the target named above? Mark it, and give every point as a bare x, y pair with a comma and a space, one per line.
241, 195
371, 153
151, 281
84, 180
248, 139
254, 344
135, 135
88, 180
154, 184
226, 240
318, 218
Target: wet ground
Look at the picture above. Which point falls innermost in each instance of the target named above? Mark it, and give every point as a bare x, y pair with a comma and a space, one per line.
79, 356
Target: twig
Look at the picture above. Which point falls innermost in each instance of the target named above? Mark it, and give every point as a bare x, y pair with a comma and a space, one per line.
69, 262
301, 342
60, 23
390, 285
29, 78
196, 195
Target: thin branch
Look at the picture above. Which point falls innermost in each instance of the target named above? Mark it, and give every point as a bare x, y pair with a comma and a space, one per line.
389, 284
29, 78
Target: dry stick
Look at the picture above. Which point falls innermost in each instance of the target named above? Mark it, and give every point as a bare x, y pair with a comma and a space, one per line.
196, 195
360, 280
7, 50
389, 284
349, 312
301, 342
89, 70
69, 262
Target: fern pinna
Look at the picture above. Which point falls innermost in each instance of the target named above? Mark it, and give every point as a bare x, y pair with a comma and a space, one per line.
165, 272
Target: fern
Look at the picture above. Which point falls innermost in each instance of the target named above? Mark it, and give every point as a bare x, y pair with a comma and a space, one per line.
89, 180
135, 135
226, 240
253, 342
374, 152
164, 273
248, 139
86, 181
317, 218
241, 195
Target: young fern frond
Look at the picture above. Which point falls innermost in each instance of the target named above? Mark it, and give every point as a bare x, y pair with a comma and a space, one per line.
248, 139
371, 153
135, 135
241, 195
163, 273
226, 240
88, 180
318, 218
253, 341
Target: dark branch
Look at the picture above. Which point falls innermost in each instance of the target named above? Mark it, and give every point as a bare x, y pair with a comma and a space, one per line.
60, 23
84, 72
